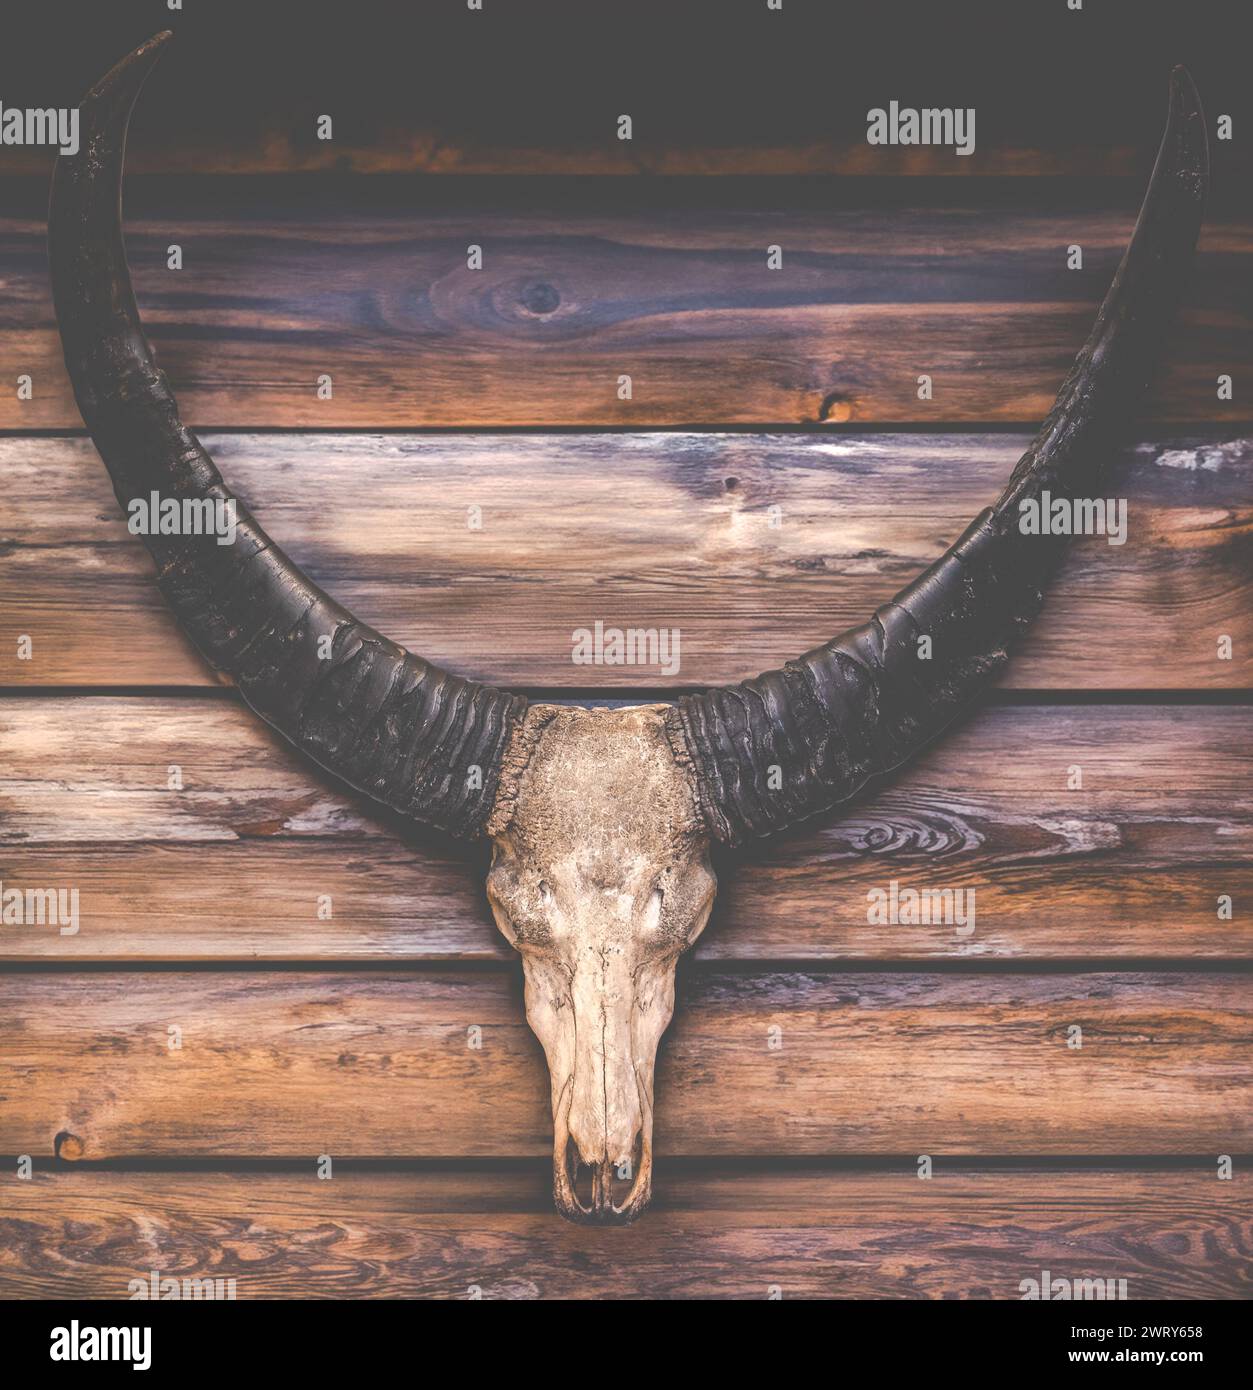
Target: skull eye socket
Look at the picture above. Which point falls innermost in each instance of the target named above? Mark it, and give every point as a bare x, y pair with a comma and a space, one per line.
546, 894
651, 921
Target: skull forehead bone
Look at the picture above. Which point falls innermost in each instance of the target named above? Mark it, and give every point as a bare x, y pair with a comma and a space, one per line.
600, 878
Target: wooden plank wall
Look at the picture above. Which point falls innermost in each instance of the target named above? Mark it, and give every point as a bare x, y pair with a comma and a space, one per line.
370, 285
772, 479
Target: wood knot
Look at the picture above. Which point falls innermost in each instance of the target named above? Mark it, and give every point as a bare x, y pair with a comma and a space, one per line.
540, 298
835, 409
67, 1146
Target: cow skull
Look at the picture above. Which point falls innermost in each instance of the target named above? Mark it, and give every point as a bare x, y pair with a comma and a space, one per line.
601, 878
602, 820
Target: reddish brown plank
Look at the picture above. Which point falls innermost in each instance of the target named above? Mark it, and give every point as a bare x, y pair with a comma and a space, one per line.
710, 1234
368, 1064
374, 291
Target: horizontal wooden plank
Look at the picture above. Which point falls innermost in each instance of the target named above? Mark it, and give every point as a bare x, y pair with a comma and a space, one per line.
1131, 864
540, 86
380, 1065
375, 292
710, 1234
281, 150
755, 548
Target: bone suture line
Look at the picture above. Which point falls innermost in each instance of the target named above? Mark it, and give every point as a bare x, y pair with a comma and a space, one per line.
601, 820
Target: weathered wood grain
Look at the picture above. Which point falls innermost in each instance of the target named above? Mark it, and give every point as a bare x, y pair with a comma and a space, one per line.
231, 867
375, 292
279, 150
365, 279
755, 548
367, 1064
525, 88
710, 1233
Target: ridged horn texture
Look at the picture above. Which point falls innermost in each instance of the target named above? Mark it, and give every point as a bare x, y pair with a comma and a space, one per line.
388, 723
792, 743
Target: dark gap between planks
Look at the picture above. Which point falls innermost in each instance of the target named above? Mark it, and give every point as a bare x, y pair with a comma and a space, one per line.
948, 1165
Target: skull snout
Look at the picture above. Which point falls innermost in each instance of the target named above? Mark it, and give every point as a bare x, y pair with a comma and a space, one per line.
600, 1017
609, 1194
599, 1146
589, 1187
605, 1114
603, 1128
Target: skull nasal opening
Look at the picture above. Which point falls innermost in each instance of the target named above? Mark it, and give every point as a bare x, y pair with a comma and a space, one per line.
605, 1193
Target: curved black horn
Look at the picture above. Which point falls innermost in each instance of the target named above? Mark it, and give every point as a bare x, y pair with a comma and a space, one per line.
418, 740
792, 743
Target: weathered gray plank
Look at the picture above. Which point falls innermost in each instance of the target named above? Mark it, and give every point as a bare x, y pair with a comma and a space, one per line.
755, 548
1130, 864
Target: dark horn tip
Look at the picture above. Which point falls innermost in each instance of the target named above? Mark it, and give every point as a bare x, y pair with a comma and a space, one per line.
1187, 122
120, 85
1182, 87
159, 40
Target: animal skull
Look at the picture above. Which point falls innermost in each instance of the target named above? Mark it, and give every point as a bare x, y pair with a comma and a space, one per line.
601, 879
602, 821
